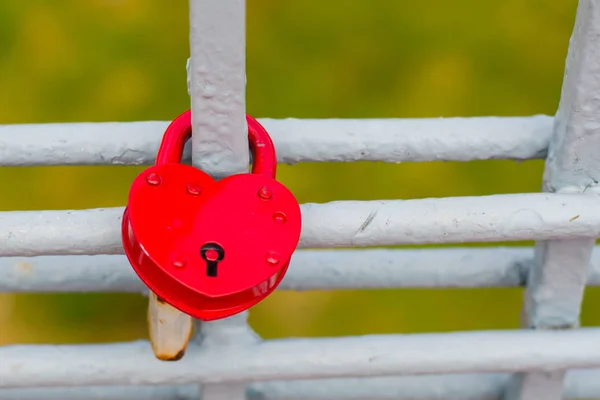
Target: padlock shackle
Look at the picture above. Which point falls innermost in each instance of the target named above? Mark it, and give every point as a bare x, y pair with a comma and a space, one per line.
264, 158
174, 139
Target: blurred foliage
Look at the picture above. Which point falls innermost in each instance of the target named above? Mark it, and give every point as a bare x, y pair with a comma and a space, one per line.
124, 60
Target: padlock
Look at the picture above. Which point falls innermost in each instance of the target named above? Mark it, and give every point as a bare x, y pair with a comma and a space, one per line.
210, 248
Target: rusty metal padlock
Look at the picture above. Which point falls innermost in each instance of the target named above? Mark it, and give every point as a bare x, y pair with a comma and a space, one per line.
210, 248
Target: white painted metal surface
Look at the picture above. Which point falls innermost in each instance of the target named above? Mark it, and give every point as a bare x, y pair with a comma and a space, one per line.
557, 281
580, 384
309, 270
80, 250
376, 355
339, 224
217, 86
296, 140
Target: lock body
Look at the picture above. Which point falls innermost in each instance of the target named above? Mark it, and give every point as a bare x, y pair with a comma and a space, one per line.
210, 249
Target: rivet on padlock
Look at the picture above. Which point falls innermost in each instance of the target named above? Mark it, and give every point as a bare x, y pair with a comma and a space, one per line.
210, 248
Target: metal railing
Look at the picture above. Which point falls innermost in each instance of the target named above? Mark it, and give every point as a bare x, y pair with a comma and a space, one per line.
550, 358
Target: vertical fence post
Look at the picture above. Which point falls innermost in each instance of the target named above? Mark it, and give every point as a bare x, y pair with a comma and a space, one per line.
217, 84
557, 281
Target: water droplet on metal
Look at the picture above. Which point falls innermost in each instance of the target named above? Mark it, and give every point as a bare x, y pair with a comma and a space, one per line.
194, 189
272, 258
279, 217
178, 262
265, 193
153, 179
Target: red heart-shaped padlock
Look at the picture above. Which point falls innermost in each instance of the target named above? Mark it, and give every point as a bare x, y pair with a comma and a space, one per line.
210, 248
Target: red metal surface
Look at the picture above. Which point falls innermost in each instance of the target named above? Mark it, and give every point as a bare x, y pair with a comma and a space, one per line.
211, 249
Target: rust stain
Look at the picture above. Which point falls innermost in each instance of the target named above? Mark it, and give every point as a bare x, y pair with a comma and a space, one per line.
574, 218
25, 267
171, 357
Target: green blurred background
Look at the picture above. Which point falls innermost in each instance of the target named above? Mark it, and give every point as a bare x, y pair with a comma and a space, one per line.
124, 60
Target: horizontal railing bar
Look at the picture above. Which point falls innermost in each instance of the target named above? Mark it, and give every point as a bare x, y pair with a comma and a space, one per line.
579, 384
296, 140
309, 270
292, 359
496, 218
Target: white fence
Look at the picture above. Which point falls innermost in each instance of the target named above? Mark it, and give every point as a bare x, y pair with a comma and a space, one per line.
551, 358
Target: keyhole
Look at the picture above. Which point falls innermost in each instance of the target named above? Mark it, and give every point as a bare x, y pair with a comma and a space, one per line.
212, 253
